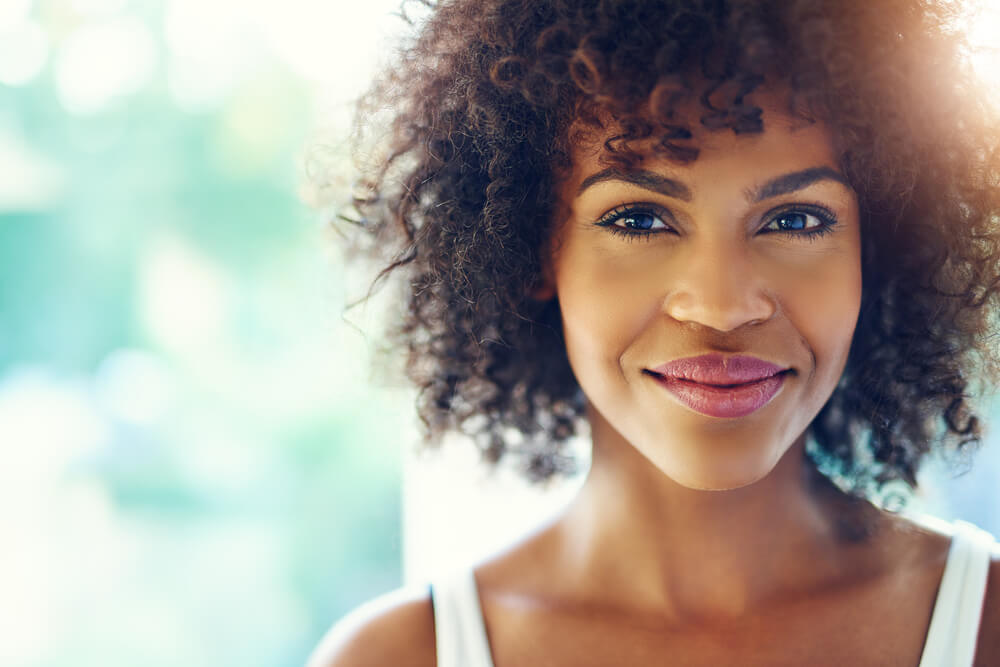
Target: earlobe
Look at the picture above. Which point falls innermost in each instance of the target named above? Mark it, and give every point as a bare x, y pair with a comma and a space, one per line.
544, 290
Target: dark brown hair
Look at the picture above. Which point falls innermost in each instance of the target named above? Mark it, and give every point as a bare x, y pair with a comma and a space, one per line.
479, 112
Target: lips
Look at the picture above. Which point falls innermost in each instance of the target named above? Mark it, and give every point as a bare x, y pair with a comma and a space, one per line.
721, 387
719, 370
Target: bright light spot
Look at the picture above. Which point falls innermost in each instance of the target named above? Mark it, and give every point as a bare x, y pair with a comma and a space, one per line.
26, 577
323, 42
13, 13
45, 425
194, 89
457, 511
184, 296
984, 26
134, 386
211, 50
99, 63
32, 182
23, 49
98, 7
89, 516
255, 125
223, 459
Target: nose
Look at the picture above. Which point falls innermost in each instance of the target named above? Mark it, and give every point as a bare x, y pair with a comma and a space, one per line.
719, 287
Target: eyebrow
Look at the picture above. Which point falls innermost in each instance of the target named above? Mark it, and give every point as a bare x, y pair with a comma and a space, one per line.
647, 180
650, 180
797, 180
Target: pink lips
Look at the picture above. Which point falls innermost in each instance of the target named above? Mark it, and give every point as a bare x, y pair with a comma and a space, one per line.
719, 386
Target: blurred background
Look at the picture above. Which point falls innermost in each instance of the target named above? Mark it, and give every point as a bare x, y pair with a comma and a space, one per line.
198, 468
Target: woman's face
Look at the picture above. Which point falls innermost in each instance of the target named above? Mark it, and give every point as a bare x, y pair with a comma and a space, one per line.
752, 250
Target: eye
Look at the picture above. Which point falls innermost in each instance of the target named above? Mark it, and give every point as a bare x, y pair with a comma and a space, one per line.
640, 220
802, 221
634, 220
794, 220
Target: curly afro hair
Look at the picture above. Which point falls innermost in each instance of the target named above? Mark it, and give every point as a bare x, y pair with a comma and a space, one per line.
476, 121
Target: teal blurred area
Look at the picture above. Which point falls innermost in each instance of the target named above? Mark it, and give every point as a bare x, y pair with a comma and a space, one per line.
197, 471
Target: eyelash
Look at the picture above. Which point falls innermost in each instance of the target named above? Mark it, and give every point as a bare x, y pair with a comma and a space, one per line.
821, 213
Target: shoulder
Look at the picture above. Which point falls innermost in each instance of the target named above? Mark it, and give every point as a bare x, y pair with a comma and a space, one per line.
941, 532
394, 629
988, 648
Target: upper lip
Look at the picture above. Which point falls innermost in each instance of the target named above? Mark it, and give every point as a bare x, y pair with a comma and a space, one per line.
718, 369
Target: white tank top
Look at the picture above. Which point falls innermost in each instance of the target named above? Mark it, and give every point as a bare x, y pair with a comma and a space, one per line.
951, 638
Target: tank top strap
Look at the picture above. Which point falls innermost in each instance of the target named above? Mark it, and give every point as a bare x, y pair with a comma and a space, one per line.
459, 629
954, 629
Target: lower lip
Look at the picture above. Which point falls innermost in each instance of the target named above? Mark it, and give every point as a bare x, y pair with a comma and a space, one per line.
723, 402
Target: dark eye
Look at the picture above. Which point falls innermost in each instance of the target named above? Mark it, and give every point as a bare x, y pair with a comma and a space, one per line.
801, 222
635, 221
791, 221
642, 221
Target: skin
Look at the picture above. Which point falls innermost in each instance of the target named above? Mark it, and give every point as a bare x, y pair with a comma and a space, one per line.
698, 540
630, 303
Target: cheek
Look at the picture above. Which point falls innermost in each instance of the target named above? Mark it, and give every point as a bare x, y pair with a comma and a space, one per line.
824, 305
605, 304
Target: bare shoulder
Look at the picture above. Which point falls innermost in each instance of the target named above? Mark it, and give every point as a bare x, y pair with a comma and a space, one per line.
394, 629
988, 648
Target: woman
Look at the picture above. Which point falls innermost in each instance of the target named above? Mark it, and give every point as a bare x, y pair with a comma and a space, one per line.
751, 248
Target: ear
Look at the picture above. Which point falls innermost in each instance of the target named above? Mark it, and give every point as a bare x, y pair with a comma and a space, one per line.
544, 288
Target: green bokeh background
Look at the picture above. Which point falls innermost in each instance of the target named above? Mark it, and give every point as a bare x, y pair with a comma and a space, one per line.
198, 469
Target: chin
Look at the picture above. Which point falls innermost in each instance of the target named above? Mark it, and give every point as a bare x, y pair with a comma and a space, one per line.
709, 477
719, 485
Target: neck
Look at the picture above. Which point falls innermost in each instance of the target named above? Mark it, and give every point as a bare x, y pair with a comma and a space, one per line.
640, 537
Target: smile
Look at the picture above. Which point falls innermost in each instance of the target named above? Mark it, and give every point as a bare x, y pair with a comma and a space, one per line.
722, 401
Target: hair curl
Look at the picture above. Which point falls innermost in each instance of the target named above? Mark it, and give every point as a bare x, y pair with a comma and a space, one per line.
483, 109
